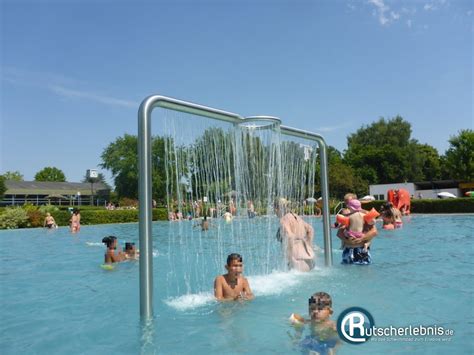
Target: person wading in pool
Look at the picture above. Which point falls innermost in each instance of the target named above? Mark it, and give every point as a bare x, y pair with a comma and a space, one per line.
232, 286
75, 221
354, 251
112, 255
297, 238
49, 221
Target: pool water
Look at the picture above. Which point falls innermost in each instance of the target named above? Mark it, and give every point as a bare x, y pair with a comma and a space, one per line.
55, 298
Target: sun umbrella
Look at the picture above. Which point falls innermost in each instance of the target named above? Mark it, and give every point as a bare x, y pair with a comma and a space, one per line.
367, 198
311, 200
446, 195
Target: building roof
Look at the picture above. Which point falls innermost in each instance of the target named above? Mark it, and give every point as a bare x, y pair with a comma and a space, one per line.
51, 188
439, 184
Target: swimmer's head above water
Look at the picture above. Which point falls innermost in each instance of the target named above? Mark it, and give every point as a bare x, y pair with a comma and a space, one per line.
234, 264
320, 306
110, 241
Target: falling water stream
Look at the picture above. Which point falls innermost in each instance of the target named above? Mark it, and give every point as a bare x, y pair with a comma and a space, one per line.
232, 175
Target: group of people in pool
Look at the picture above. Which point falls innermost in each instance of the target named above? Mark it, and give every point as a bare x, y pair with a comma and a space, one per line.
74, 221
233, 286
114, 254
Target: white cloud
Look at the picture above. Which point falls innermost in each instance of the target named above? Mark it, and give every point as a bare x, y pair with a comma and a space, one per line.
434, 5
91, 96
58, 84
409, 23
429, 7
383, 12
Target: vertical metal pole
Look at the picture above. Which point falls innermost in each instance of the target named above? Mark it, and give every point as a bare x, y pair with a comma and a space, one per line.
144, 195
325, 196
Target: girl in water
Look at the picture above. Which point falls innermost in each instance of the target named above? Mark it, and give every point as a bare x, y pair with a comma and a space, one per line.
49, 221
75, 221
111, 254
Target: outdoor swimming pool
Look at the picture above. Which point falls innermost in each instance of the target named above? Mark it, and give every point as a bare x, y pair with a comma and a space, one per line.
55, 298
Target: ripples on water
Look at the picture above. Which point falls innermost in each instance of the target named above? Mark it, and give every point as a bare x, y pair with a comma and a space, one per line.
52, 287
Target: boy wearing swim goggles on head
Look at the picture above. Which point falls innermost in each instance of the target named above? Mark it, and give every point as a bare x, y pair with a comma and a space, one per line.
320, 311
323, 336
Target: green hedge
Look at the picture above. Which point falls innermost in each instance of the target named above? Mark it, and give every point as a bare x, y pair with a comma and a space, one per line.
115, 216
93, 215
35, 217
451, 205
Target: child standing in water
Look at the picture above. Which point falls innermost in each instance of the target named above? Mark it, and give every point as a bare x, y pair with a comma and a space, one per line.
232, 286
356, 221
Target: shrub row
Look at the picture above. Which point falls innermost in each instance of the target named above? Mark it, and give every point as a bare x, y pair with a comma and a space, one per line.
32, 216
89, 217
451, 205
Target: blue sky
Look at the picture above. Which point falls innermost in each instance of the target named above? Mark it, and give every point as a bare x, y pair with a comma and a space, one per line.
73, 73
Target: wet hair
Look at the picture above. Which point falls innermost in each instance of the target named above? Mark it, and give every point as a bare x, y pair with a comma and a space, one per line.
232, 257
281, 206
129, 246
320, 300
109, 241
387, 209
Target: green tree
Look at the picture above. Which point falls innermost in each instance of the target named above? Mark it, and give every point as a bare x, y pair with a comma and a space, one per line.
50, 174
342, 177
383, 152
459, 158
3, 188
100, 178
13, 175
429, 161
121, 158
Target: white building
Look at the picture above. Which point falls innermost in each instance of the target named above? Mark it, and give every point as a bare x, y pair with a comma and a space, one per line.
425, 189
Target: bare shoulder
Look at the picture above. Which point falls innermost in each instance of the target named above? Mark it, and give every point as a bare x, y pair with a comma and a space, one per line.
219, 280
245, 281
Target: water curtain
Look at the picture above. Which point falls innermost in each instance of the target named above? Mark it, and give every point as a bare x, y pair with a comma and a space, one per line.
219, 164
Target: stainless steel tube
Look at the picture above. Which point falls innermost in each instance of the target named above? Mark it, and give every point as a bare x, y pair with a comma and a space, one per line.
145, 191
145, 205
144, 184
324, 184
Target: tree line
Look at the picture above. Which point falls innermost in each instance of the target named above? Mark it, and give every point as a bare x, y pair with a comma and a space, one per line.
379, 153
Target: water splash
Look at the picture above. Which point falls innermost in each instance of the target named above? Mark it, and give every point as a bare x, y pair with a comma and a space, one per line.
237, 172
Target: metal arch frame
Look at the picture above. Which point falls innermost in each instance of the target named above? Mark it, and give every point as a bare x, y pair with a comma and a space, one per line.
144, 183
